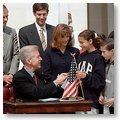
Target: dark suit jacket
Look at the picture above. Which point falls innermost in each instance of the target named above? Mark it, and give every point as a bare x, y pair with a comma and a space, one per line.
28, 35
25, 88
55, 62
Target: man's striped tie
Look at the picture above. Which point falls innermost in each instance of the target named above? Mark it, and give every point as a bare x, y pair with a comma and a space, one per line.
42, 38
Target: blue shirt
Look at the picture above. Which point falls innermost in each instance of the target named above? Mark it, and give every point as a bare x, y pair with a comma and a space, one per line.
29, 71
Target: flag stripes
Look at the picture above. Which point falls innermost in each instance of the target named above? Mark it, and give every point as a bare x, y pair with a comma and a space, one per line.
71, 90
71, 87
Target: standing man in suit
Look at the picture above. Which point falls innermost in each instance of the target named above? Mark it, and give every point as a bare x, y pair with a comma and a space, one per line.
30, 35
29, 85
10, 50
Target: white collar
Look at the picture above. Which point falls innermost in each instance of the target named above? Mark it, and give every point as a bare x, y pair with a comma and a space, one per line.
38, 27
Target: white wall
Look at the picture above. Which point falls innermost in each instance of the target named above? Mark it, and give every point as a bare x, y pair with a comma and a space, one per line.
110, 21
20, 14
79, 17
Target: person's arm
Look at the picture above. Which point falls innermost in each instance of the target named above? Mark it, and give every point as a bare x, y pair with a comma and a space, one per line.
52, 88
109, 102
47, 66
25, 87
15, 59
7, 79
110, 74
96, 79
101, 98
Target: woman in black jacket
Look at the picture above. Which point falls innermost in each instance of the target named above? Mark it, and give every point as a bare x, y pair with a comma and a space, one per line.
57, 58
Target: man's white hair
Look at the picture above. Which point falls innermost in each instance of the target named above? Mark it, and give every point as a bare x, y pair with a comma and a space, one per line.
26, 52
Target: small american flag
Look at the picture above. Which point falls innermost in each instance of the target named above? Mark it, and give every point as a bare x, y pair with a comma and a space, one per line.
71, 87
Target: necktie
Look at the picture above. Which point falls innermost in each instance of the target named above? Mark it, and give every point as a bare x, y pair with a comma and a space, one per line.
42, 38
35, 79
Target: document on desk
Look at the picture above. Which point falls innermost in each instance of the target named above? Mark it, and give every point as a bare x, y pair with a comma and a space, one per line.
49, 99
72, 99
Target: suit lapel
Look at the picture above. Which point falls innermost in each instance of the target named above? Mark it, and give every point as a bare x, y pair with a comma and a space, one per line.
49, 36
6, 43
35, 37
27, 75
34, 32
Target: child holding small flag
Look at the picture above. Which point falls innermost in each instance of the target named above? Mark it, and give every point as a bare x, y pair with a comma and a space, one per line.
91, 68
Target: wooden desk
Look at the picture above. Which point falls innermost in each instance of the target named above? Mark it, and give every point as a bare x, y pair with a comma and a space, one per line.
46, 107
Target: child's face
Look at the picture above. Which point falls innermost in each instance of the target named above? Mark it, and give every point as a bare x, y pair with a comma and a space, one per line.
106, 53
84, 44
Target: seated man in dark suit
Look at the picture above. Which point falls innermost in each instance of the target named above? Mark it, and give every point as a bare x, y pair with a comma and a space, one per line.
29, 85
